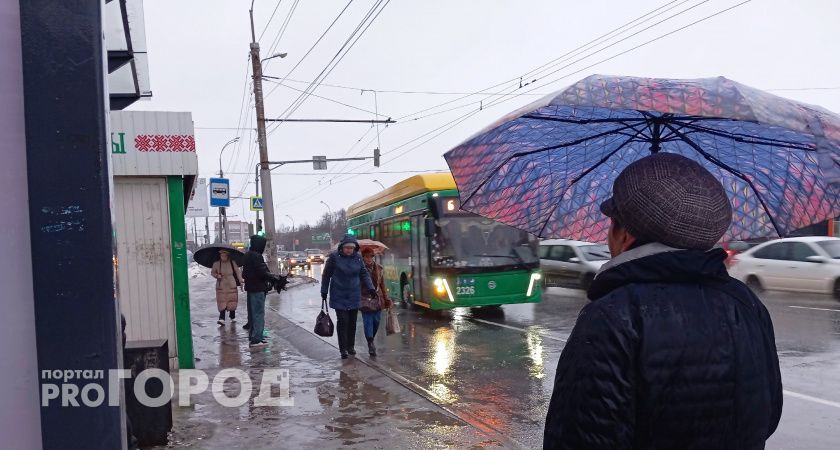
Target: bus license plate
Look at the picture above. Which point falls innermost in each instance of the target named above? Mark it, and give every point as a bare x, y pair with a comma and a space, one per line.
465, 290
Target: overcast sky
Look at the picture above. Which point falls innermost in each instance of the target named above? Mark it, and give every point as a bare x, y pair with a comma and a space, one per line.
198, 56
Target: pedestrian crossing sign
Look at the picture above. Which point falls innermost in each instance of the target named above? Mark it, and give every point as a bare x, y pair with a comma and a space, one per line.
256, 203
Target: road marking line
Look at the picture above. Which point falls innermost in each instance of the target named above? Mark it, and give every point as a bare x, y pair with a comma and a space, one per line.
815, 309
545, 335
812, 399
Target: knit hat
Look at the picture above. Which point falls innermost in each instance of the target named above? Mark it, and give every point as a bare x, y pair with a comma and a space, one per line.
670, 199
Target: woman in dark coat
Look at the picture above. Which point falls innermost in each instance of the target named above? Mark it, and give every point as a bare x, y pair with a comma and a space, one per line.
343, 278
672, 352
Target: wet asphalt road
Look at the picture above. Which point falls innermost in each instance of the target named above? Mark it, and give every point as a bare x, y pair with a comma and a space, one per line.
494, 368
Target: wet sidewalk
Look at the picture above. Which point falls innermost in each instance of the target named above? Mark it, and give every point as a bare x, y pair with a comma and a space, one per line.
336, 403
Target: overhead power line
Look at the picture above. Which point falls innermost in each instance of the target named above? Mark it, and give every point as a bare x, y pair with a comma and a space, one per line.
276, 7
271, 80
388, 91
351, 41
470, 114
282, 31
317, 41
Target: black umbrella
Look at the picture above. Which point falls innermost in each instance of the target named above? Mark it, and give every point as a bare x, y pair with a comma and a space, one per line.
208, 254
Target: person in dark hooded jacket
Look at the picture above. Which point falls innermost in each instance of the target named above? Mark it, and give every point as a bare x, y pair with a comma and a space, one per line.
258, 281
343, 277
671, 353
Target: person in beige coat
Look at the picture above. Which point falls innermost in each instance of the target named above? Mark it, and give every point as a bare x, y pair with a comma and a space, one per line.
228, 282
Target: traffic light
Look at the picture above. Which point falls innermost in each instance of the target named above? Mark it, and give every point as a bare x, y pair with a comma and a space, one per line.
259, 226
376, 157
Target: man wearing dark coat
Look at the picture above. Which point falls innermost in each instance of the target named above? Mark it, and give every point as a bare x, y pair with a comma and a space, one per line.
671, 352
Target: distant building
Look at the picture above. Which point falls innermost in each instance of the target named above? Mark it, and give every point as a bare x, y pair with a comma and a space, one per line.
237, 231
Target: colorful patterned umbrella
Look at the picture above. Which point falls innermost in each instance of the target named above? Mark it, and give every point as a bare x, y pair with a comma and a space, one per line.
547, 167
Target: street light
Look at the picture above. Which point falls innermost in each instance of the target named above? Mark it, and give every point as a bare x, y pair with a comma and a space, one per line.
223, 229
380, 184
329, 210
294, 237
221, 172
276, 55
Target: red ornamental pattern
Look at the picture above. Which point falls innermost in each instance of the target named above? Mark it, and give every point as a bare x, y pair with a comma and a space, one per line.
164, 143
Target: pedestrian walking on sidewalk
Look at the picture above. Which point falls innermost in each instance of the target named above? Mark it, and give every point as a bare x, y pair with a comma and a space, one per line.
371, 319
343, 278
258, 280
671, 352
228, 283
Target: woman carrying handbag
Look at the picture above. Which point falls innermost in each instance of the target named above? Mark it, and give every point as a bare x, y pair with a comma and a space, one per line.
372, 306
343, 279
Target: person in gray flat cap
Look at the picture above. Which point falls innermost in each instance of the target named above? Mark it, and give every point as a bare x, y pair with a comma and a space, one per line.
671, 352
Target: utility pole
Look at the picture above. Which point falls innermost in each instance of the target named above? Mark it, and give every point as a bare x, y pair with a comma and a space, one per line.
268, 201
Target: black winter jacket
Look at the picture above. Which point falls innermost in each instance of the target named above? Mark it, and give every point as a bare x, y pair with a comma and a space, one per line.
672, 353
255, 271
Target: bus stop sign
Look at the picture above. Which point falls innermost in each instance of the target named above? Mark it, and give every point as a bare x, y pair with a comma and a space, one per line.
219, 192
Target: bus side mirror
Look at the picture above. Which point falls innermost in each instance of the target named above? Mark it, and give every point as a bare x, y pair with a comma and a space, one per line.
430, 226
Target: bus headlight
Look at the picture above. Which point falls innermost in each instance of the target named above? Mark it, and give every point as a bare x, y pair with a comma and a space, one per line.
535, 278
442, 288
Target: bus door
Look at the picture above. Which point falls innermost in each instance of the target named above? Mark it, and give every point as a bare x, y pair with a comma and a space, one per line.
419, 257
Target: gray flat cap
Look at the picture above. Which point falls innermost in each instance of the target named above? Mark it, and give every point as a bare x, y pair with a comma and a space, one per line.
670, 199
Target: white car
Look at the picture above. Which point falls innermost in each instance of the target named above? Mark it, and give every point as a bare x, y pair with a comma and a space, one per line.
571, 263
802, 264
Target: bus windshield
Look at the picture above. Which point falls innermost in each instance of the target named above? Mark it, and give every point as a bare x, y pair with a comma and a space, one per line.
472, 241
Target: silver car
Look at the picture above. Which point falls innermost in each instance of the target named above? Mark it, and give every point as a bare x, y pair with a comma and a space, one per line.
802, 264
571, 263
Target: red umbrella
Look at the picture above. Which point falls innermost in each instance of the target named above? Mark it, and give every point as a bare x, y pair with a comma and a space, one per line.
378, 247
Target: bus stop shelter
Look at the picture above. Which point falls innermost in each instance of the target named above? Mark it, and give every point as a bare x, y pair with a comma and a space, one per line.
154, 165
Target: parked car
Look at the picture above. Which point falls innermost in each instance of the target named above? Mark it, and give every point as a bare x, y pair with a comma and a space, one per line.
297, 259
571, 263
314, 256
801, 264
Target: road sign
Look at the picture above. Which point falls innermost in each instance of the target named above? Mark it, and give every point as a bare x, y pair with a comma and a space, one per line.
256, 203
319, 162
219, 192
198, 206
321, 237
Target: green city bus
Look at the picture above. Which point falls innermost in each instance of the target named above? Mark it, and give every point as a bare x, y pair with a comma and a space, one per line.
441, 257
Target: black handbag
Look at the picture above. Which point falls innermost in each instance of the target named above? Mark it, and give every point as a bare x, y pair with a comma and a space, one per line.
323, 324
